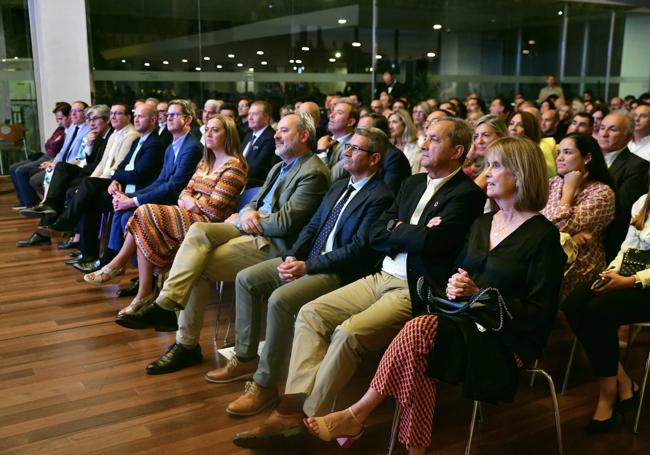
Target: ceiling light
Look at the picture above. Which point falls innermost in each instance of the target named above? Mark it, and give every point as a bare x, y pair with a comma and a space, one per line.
559, 13
123, 61
219, 67
184, 60
15, 58
437, 26
337, 54
379, 57
531, 41
305, 48
298, 61
165, 62
332, 60
239, 65
231, 55
342, 21
431, 54
147, 64
291, 61
356, 44
197, 68
251, 69
264, 62
207, 59
260, 52
295, 68
525, 51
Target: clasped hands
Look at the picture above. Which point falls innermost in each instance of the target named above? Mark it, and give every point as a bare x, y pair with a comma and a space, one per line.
460, 285
291, 269
249, 221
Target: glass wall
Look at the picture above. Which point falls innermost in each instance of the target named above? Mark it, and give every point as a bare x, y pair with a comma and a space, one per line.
285, 49
17, 88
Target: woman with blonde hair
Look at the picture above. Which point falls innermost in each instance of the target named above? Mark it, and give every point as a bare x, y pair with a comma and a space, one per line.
155, 232
515, 256
403, 135
419, 115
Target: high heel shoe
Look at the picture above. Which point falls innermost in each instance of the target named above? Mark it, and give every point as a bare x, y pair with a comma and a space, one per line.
138, 304
604, 426
630, 404
325, 435
98, 277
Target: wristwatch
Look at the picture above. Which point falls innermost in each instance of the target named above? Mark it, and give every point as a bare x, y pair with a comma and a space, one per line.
391, 225
638, 284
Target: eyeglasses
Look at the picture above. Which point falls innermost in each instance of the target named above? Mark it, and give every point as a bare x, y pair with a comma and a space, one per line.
173, 115
355, 148
76, 110
92, 119
116, 113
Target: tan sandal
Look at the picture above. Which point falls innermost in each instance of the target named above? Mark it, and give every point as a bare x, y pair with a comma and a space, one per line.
325, 435
98, 277
138, 304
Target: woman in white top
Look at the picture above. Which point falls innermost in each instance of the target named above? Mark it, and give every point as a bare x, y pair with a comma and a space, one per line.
404, 136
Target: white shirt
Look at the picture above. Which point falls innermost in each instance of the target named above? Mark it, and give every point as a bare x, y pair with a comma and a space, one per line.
397, 266
611, 157
256, 136
641, 148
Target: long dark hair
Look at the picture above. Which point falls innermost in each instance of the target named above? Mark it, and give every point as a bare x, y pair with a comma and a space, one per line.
597, 168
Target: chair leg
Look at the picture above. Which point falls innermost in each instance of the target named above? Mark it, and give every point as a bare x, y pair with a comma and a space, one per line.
219, 305
472, 424
394, 428
556, 408
231, 317
569, 364
532, 376
642, 396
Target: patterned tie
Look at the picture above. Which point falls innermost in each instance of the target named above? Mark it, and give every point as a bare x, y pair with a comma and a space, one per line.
249, 146
329, 224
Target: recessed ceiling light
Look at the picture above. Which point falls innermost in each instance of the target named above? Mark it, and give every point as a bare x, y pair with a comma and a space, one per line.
332, 60
147, 64
559, 13
251, 69
184, 60
531, 41
264, 62
337, 54
305, 48
15, 58
379, 57
165, 62
342, 21
123, 61
231, 55
219, 67
525, 51
356, 44
437, 26
239, 65
291, 61
207, 59
298, 61
431, 54
198, 68
295, 68
260, 52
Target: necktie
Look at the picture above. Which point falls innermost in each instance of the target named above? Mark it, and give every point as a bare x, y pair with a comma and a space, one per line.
249, 146
130, 188
329, 224
66, 155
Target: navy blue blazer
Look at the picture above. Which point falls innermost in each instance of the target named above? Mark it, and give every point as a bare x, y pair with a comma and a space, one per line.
175, 174
431, 251
261, 158
395, 168
148, 163
351, 257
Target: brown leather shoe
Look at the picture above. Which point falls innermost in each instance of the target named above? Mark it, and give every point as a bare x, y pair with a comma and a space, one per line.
277, 431
233, 371
254, 399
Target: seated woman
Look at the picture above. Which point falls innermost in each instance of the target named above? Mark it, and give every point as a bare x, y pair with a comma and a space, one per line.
156, 231
581, 202
516, 251
525, 124
488, 129
595, 313
404, 136
419, 116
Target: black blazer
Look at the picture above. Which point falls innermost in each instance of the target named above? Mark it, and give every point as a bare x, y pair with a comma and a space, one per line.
631, 179
148, 163
98, 151
165, 136
396, 168
261, 157
398, 90
351, 257
431, 251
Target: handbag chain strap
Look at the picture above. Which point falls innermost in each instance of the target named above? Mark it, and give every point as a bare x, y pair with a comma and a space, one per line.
503, 308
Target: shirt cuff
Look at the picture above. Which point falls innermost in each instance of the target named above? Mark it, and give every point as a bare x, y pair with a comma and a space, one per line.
135, 200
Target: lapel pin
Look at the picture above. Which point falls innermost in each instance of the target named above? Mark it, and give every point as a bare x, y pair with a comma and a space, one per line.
435, 204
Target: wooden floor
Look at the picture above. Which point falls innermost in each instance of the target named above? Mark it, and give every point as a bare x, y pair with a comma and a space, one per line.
73, 382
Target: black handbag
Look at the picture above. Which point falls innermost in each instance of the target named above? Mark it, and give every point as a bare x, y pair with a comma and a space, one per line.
634, 260
486, 308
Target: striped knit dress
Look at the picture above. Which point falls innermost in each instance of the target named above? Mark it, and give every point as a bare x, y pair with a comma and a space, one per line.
158, 230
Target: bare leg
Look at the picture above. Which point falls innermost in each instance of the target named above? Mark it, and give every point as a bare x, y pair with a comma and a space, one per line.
606, 398
127, 250
145, 273
624, 384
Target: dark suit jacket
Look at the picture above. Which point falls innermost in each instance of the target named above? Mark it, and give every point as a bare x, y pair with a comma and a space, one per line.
351, 257
98, 152
175, 174
398, 90
395, 168
294, 201
165, 137
261, 157
431, 251
148, 163
631, 178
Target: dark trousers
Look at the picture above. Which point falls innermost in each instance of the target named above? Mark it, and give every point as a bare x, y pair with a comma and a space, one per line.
21, 173
65, 176
595, 320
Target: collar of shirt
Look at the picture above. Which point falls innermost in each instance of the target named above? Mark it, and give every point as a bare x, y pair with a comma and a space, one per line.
176, 145
258, 133
144, 137
437, 183
342, 139
360, 183
611, 156
633, 146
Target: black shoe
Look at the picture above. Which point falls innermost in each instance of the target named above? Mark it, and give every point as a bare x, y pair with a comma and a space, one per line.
604, 426
176, 358
88, 266
129, 290
34, 240
150, 317
68, 244
78, 258
38, 211
60, 225
74, 253
630, 404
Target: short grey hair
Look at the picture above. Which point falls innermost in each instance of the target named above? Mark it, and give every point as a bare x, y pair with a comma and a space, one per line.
498, 124
461, 135
377, 140
306, 123
101, 110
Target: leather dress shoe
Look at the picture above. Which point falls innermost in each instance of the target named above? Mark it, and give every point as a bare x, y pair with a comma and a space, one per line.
60, 225
88, 266
176, 358
68, 244
150, 317
75, 259
277, 431
34, 240
38, 211
129, 290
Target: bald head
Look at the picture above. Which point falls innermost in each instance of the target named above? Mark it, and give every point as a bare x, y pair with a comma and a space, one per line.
311, 108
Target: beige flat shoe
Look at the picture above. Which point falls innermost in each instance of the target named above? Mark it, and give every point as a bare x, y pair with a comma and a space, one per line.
105, 275
138, 304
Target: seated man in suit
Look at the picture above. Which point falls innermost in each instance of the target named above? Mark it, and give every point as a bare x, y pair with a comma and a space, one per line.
218, 251
258, 145
330, 251
140, 166
162, 131
420, 235
629, 171
342, 121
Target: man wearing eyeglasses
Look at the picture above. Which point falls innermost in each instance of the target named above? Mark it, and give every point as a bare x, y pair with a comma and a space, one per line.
331, 250
162, 131
119, 143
